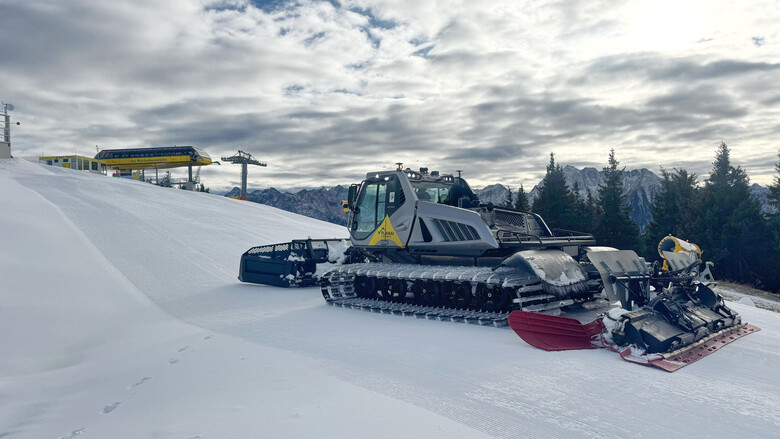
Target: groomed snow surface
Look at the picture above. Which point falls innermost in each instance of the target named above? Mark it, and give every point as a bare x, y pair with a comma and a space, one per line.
121, 317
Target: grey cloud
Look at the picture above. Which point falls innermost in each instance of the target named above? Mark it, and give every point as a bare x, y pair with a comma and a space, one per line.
314, 115
540, 123
699, 102
771, 101
707, 132
655, 67
495, 153
689, 70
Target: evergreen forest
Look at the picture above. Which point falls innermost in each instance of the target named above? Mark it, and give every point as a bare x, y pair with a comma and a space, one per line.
719, 214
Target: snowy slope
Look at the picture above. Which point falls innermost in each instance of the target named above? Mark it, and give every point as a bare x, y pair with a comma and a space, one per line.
122, 317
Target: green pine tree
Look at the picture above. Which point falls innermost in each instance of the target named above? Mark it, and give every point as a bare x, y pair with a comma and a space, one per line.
673, 209
521, 203
593, 209
509, 202
774, 223
731, 230
774, 189
615, 227
554, 199
166, 180
579, 217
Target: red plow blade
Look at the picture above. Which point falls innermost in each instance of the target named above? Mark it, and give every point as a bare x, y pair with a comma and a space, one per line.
554, 333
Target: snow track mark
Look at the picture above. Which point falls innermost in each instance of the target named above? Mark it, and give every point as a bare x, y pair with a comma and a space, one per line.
139, 382
110, 408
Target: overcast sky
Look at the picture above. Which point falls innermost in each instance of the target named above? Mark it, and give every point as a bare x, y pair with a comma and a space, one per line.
325, 91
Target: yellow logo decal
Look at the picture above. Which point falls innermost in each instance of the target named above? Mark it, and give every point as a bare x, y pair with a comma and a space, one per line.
385, 232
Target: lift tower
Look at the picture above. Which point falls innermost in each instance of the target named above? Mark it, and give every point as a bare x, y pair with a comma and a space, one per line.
244, 158
5, 131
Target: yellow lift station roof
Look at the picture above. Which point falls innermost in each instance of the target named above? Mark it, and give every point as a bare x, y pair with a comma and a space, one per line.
160, 158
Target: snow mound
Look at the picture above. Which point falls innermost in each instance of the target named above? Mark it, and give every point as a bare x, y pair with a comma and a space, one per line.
747, 301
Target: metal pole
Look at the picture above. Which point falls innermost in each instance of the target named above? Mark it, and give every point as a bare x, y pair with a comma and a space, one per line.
243, 179
244, 159
5, 140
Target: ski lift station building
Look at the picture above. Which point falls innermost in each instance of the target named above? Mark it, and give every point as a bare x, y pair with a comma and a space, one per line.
154, 158
76, 162
125, 161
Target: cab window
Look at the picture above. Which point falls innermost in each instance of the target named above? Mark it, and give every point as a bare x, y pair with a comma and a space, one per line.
376, 200
432, 191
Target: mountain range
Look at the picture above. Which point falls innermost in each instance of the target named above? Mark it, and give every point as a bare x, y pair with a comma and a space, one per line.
641, 186
323, 203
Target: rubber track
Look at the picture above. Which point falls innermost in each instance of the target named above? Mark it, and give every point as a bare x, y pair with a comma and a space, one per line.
338, 289
422, 312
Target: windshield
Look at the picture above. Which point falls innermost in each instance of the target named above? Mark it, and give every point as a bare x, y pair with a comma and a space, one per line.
377, 199
433, 191
202, 153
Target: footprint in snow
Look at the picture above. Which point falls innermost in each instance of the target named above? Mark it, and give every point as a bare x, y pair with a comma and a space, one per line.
110, 408
139, 382
183, 349
173, 361
208, 337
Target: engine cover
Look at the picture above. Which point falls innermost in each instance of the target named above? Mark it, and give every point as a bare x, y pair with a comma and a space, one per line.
558, 272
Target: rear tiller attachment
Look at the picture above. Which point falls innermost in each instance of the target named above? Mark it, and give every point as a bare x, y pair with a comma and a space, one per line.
683, 323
